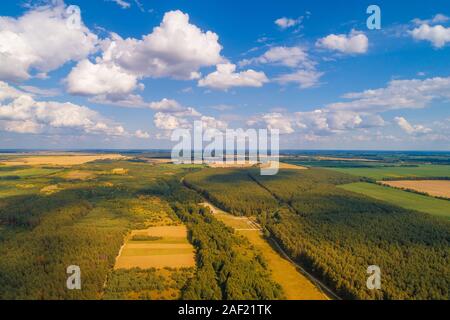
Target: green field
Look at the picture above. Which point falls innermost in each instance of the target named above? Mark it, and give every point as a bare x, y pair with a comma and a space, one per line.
379, 173
28, 172
402, 198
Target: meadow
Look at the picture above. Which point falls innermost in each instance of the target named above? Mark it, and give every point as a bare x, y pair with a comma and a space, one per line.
404, 199
398, 172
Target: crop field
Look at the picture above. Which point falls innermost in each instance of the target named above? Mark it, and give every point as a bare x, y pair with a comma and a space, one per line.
295, 285
157, 247
399, 172
60, 160
437, 188
402, 198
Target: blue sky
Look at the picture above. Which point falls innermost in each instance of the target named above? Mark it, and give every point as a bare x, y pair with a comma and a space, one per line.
132, 71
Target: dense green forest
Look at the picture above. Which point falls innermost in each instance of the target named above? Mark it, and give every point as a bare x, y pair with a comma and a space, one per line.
57, 222
337, 234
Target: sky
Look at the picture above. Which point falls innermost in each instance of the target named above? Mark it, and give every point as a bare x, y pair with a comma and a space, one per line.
105, 74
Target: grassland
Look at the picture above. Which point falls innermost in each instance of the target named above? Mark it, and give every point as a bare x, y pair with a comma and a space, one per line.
436, 188
398, 172
402, 198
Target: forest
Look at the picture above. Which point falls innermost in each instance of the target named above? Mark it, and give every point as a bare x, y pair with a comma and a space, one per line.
337, 234
83, 221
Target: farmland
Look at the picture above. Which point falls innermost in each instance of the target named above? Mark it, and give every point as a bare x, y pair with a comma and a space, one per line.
84, 214
437, 188
157, 247
402, 198
137, 230
399, 172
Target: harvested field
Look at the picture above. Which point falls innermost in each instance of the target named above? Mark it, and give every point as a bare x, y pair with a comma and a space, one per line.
61, 160
284, 165
170, 248
437, 188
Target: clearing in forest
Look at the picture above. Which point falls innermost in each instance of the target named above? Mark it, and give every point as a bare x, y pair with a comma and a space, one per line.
295, 285
437, 188
156, 247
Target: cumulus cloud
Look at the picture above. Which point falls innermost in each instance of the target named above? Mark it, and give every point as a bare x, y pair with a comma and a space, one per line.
354, 43
438, 18
278, 121
167, 121
285, 23
21, 113
399, 94
172, 115
167, 105
304, 78
87, 78
409, 128
25, 44
226, 77
175, 49
438, 35
141, 134
285, 56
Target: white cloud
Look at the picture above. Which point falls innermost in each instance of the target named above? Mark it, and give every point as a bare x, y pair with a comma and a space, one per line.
20, 113
399, 94
167, 105
87, 78
273, 121
123, 4
213, 123
142, 134
285, 56
409, 128
35, 91
26, 44
225, 77
167, 121
438, 18
354, 43
305, 78
438, 35
175, 49
285, 23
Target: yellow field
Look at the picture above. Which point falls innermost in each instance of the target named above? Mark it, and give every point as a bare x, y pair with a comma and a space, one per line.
61, 160
437, 188
291, 166
79, 175
169, 248
295, 285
